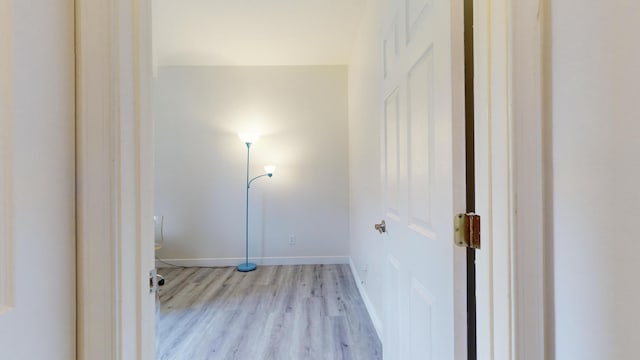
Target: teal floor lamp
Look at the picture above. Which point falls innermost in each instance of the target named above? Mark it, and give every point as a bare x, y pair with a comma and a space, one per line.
249, 140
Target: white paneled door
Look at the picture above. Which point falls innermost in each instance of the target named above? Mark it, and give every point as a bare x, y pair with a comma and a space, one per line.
417, 159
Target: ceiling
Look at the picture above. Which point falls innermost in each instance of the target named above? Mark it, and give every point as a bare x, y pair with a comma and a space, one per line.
254, 32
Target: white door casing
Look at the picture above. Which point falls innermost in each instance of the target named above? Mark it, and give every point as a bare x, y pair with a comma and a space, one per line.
7, 271
421, 125
530, 188
509, 163
116, 317
494, 187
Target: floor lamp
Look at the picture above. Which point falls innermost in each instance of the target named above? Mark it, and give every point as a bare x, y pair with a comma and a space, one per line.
248, 140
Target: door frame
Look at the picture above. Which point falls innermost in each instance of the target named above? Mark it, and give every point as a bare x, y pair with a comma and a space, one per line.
510, 179
530, 171
7, 270
114, 158
115, 165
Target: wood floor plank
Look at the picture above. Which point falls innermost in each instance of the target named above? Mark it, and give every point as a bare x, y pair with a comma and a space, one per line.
300, 312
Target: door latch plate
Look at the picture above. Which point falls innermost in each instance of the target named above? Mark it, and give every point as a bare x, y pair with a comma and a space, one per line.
153, 281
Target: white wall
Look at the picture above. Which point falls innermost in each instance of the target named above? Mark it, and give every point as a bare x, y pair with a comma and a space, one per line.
42, 324
365, 99
595, 133
301, 114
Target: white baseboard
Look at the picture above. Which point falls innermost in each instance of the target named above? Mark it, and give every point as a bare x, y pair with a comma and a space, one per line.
377, 324
220, 262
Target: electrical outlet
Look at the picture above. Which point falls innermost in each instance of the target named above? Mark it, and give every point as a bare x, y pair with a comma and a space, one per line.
292, 240
363, 276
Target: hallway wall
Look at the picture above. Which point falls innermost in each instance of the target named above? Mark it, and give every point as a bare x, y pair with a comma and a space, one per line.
365, 119
595, 202
301, 114
42, 322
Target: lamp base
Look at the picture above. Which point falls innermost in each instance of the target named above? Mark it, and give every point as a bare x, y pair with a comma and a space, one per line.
246, 267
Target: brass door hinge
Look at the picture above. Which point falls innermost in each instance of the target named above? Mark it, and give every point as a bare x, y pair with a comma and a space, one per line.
467, 230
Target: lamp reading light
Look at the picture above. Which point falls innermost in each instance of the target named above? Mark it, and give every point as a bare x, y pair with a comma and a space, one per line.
269, 169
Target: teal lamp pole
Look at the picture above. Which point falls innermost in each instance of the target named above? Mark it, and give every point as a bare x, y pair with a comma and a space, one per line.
246, 265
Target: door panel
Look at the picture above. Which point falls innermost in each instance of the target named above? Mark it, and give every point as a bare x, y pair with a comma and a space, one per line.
417, 141
421, 321
393, 320
390, 48
416, 9
420, 144
392, 155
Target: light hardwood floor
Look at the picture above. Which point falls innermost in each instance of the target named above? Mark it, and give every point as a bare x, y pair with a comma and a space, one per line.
273, 313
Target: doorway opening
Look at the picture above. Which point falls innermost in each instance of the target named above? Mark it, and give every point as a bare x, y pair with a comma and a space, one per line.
280, 74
